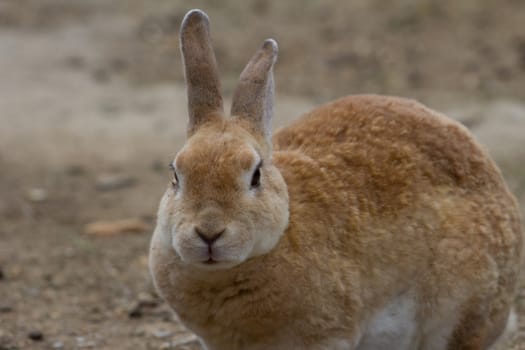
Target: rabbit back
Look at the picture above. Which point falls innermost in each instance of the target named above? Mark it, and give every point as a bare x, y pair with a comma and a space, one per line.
413, 202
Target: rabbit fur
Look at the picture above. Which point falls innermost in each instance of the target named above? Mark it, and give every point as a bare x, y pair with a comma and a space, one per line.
372, 222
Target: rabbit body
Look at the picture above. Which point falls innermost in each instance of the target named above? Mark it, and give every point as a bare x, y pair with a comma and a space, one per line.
384, 225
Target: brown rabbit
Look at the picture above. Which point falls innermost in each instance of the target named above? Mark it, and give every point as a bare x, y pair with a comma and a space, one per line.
372, 222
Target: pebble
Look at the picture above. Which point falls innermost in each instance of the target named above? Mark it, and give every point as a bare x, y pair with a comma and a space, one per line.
75, 62
135, 312
145, 301
58, 345
101, 75
165, 346
33, 292
108, 228
37, 194
75, 170
2, 276
162, 333
82, 342
5, 309
111, 182
183, 339
36, 335
13, 271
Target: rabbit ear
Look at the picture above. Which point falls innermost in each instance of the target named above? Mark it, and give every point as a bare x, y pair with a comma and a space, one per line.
202, 78
253, 97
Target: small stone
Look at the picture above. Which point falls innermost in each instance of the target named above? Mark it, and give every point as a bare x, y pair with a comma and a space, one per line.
110, 109
4, 309
13, 271
101, 75
82, 342
118, 64
165, 346
135, 312
75, 62
33, 292
110, 182
162, 333
37, 194
2, 276
147, 300
36, 335
183, 339
75, 170
115, 227
58, 345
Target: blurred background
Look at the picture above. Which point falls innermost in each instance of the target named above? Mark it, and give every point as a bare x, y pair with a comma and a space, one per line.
92, 109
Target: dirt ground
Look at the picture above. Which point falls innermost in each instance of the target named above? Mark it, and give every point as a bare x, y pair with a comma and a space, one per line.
92, 109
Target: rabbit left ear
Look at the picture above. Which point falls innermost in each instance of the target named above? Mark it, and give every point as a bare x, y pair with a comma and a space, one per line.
253, 97
202, 78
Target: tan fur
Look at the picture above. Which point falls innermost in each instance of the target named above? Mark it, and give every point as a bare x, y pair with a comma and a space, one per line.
203, 88
362, 200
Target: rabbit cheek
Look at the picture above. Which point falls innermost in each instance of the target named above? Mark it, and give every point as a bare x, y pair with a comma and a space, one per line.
272, 220
267, 239
188, 246
237, 245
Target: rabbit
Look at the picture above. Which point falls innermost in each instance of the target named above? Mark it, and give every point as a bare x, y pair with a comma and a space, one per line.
371, 222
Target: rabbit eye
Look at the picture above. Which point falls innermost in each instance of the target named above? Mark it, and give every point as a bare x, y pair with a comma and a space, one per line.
256, 177
175, 179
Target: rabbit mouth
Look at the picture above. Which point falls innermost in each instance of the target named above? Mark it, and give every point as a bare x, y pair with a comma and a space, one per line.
214, 264
210, 261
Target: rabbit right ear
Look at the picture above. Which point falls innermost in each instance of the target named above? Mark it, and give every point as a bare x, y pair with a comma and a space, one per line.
202, 78
253, 97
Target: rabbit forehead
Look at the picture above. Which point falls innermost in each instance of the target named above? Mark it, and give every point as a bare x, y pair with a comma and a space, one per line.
223, 154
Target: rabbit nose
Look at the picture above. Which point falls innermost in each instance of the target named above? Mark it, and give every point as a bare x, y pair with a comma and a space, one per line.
208, 237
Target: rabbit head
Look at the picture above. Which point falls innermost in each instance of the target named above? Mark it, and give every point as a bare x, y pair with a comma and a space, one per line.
227, 202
